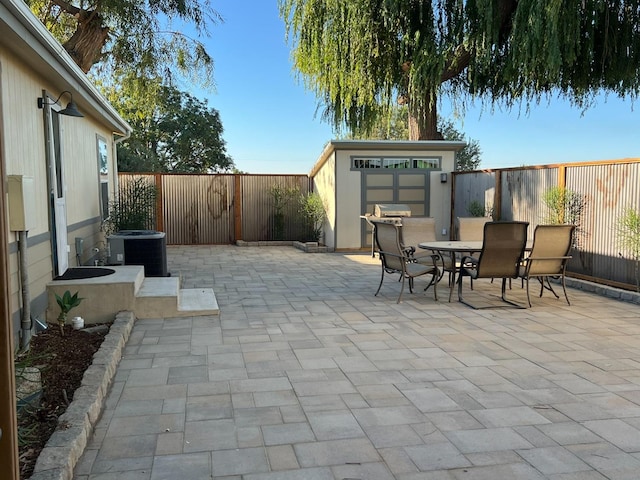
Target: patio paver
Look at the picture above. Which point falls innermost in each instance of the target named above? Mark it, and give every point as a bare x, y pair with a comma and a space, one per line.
305, 374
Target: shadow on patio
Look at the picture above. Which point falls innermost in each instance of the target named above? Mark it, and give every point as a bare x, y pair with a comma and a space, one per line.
306, 375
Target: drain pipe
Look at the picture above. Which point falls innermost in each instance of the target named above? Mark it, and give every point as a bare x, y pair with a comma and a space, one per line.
25, 323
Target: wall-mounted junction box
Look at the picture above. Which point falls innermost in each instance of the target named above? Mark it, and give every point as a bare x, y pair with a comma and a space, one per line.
22, 206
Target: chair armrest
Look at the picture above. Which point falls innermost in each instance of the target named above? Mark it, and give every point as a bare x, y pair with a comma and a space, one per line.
547, 258
391, 254
409, 250
468, 260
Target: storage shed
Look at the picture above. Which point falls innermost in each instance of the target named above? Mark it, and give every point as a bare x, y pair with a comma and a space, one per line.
353, 176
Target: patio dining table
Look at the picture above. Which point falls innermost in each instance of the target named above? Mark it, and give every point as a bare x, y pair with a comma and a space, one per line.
454, 248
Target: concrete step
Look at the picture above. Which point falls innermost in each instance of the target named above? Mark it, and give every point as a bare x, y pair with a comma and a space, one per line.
198, 301
162, 297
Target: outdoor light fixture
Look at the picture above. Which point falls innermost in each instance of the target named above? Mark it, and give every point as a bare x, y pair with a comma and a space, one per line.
70, 111
443, 177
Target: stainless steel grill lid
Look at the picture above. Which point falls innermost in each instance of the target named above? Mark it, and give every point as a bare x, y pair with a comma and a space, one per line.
392, 210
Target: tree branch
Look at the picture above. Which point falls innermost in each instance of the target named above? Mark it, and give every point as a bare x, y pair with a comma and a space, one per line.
67, 7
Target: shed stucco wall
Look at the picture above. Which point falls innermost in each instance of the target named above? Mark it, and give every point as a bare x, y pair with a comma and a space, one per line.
341, 187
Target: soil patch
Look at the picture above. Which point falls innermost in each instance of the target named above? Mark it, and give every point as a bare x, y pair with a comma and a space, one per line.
62, 361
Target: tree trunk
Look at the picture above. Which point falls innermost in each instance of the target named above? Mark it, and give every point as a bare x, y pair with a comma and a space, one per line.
86, 44
423, 121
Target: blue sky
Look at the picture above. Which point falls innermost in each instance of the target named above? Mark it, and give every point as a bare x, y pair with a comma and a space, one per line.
271, 125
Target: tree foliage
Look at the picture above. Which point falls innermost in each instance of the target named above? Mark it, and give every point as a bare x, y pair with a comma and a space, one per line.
131, 35
361, 56
172, 130
469, 157
394, 126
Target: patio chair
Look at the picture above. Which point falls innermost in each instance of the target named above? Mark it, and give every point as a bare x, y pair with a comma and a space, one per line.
416, 230
548, 258
395, 259
503, 246
471, 229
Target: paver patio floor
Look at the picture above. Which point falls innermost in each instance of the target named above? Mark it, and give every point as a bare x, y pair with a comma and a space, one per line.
306, 375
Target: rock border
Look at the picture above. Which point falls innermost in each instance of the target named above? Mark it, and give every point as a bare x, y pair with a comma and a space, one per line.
307, 247
65, 447
603, 290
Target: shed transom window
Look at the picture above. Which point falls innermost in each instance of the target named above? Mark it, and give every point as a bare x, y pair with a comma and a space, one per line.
362, 163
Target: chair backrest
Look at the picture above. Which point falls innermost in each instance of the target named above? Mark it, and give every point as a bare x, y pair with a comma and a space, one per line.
471, 229
387, 237
552, 242
503, 246
416, 230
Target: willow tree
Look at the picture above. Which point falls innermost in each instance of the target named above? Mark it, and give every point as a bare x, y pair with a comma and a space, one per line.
131, 35
361, 56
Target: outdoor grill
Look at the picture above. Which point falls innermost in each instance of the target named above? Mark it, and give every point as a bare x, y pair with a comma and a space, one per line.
386, 212
391, 210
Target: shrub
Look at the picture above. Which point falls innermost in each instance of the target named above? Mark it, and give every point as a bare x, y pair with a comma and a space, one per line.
314, 215
628, 236
134, 209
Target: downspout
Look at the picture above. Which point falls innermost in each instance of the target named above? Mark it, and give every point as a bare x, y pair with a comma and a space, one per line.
25, 322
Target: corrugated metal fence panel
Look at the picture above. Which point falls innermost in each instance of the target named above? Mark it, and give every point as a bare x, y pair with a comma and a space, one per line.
197, 209
258, 207
473, 186
522, 192
608, 190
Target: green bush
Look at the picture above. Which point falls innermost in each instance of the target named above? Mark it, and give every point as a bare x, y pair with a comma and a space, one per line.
628, 236
476, 209
564, 206
313, 214
134, 209
281, 197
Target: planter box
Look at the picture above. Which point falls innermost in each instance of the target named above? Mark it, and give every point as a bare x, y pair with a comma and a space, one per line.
311, 247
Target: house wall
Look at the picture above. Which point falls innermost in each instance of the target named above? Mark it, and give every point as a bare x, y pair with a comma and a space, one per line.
24, 153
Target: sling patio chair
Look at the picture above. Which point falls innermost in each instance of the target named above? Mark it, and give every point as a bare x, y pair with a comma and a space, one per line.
548, 258
503, 245
395, 259
470, 229
416, 230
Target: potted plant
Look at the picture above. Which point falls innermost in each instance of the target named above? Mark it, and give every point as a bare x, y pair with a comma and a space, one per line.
66, 303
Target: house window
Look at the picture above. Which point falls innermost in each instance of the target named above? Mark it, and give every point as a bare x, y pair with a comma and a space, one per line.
103, 173
422, 163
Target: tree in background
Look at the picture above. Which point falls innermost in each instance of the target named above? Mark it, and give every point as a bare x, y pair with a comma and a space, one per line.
131, 35
394, 126
469, 157
172, 130
362, 56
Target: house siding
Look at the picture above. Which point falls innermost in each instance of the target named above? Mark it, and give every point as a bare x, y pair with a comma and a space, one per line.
25, 154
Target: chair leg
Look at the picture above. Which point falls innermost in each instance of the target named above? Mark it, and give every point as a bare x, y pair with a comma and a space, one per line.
401, 290
381, 280
435, 280
548, 287
528, 297
504, 298
564, 288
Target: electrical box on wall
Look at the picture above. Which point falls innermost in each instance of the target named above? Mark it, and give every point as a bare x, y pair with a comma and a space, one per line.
22, 206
